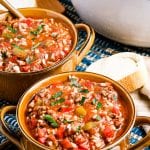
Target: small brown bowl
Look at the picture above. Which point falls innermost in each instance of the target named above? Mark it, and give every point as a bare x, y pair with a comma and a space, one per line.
30, 143
12, 85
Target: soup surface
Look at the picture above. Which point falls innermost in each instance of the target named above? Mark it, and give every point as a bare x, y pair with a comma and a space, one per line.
28, 45
76, 114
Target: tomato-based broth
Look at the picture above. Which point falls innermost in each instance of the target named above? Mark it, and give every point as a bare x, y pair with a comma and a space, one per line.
29, 45
76, 114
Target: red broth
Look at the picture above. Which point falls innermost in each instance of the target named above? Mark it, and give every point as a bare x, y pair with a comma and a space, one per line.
29, 45
76, 114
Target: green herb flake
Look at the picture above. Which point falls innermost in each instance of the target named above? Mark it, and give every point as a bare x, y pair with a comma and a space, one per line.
51, 120
20, 36
61, 100
16, 46
78, 129
7, 35
82, 100
54, 34
98, 118
28, 60
10, 28
84, 91
74, 82
67, 121
38, 30
94, 101
99, 105
57, 94
4, 55
36, 45
34, 33
115, 97
33, 39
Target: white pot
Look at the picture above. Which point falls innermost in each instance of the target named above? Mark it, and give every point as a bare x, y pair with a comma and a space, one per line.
125, 21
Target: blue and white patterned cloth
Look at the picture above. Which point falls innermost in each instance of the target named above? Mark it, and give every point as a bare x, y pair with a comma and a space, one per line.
102, 47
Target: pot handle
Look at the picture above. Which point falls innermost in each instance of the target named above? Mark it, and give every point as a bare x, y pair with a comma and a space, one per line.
124, 145
88, 42
6, 131
78, 55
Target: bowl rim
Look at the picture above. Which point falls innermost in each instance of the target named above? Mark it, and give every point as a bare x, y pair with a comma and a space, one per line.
59, 63
47, 79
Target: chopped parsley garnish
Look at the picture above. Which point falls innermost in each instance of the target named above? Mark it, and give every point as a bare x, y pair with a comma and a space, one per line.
57, 94
10, 28
74, 82
7, 35
82, 100
98, 118
4, 55
99, 105
38, 30
84, 91
67, 121
78, 129
20, 36
36, 45
54, 34
28, 60
51, 120
94, 101
16, 46
115, 97
61, 100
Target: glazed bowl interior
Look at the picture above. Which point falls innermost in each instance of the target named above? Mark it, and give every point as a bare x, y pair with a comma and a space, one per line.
126, 100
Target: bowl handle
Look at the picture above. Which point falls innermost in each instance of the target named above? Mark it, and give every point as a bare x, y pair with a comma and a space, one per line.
78, 55
124, 145
5, 130
88, 42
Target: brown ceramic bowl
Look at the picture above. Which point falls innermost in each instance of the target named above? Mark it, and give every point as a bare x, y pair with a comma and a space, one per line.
12, 85
30, 143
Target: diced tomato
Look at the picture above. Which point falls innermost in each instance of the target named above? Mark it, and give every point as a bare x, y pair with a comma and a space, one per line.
66, 143
115, 110
60, 132
37, 66
66, 109
53, 48
82, 148
88, 84
53, 89
33, 123
13, 59
6, 44
108, 132
28, 22
42, 140
1, 28
81, 143
67, 101
25, 68
52, 138
29, 42
41, 132
79, 140
89, 113
91, 143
